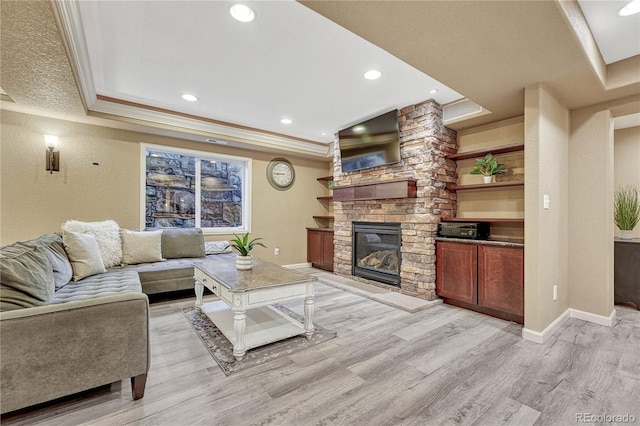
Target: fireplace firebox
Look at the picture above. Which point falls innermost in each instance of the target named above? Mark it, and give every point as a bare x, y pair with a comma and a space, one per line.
376, 251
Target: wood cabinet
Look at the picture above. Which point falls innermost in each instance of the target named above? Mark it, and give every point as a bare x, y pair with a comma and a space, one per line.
482, 277
320, 248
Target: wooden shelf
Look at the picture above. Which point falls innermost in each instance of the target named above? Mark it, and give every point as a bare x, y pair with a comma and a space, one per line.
483, 152
397, 188
324, 178
325, 197
484, 185
483, 219
323, 217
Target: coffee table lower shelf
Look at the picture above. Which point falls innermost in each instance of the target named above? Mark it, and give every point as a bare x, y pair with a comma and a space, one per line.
264, 325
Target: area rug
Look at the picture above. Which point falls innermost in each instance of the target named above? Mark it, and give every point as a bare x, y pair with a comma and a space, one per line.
222, 351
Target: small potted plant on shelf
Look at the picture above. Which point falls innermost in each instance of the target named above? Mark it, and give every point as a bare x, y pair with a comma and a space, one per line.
626, 211
244, 246
488, 167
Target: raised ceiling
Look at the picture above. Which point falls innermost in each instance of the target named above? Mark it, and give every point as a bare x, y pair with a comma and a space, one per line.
141, 56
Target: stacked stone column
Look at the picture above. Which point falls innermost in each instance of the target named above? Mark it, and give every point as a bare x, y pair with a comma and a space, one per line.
424, 143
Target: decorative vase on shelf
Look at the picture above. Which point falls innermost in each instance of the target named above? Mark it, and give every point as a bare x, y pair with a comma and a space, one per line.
244, 263
487, 179
626, 234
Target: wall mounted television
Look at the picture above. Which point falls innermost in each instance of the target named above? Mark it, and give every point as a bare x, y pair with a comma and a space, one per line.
372, 143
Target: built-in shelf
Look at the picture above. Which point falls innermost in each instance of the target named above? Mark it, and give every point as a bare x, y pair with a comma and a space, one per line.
485, 185
483, 152
325, 197
323, 217
325, 178
397, 188
483, 219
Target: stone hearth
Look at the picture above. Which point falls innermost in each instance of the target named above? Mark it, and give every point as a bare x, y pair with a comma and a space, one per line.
424, 143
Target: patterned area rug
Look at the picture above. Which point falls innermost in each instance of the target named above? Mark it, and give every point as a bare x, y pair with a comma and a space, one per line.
222, 350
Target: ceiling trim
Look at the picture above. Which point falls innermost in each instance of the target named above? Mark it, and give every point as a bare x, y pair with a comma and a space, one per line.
70, 23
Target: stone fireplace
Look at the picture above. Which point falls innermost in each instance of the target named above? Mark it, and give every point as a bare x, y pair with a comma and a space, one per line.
416, 212
376, 251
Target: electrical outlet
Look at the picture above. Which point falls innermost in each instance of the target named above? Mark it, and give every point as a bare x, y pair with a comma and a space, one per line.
276, 251
555, 293
545, 203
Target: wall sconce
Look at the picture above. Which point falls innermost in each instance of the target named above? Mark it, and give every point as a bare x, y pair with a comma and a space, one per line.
53, 157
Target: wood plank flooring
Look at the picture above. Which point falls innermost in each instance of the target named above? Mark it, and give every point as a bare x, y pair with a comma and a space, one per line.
439, 366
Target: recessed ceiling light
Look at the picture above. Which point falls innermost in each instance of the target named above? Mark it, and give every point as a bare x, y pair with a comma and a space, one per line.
630, 8
433, 91
242, 13
190, 98
372, 75
324, 133
286, 121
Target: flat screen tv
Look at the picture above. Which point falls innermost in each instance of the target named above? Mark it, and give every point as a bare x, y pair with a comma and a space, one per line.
372, 143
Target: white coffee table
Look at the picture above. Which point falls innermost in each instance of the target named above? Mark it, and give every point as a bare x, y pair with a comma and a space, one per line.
245, 314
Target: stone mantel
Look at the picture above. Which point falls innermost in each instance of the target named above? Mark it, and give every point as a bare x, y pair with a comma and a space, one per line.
396, 188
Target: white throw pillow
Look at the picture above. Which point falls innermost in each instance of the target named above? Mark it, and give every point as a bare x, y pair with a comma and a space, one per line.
83, 253
216, 247
141, 246
107, 234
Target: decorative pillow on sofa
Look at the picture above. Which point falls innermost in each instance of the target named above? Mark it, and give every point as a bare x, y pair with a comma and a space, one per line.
52, 246
27, 278
107, 234
84, 254
217, 247
141, 246
182, 242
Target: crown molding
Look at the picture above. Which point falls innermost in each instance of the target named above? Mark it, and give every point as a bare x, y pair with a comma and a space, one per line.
70, 21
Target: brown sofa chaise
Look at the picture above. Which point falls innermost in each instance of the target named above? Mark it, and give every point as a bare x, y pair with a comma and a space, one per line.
59, 337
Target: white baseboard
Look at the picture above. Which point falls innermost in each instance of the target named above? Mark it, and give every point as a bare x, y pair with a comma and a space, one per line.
596, 319
298, 265
542, 336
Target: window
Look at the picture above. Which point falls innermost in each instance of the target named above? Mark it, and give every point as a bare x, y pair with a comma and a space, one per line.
187, 189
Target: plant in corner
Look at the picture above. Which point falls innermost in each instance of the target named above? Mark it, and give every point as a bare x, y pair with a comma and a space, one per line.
488, 166
244, 246
626, 210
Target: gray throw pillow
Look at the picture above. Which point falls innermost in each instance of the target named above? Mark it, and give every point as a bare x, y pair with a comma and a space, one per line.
182, 242
26, 277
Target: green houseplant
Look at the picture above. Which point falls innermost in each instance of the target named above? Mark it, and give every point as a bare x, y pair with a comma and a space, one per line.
488, 166
626, 210
244, 246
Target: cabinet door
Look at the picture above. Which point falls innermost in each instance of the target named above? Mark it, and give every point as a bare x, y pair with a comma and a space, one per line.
327, 250
456, 271
501, 278
314, 247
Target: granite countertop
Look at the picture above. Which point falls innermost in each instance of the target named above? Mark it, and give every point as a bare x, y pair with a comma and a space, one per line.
483, 242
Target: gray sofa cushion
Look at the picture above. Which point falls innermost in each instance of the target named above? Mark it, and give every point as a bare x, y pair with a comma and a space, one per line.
26, 276
109, 283
182, 242
54, 249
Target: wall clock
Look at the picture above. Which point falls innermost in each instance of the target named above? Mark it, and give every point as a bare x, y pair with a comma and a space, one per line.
280, 174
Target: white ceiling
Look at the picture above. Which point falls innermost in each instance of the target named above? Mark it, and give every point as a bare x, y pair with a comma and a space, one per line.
618, 37
289, 63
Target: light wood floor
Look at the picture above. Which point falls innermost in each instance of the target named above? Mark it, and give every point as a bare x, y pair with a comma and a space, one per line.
442, 365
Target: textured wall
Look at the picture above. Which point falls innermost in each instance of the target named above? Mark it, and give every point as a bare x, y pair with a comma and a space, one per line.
424, 143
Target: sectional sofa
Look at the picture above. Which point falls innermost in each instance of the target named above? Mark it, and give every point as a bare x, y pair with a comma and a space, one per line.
61, 336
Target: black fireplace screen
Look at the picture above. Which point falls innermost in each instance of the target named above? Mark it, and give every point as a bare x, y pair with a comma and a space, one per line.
376, 251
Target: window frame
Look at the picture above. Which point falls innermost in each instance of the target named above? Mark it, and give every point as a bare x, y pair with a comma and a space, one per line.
199, 156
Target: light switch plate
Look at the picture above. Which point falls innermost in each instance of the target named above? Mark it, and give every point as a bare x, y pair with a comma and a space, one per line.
545, 202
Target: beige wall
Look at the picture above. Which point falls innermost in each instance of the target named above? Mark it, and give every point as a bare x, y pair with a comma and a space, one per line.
627, 162
591, 225
546, 230
34, 202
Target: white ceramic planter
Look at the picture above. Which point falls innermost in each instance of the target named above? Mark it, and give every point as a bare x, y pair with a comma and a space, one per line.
244, 262
487, 179
626, 235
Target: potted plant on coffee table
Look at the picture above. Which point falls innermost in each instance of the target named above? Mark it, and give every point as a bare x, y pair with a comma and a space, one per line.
626, 211
244, 246
488, 166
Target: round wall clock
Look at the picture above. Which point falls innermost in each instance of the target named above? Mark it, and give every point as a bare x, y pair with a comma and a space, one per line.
280, 174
